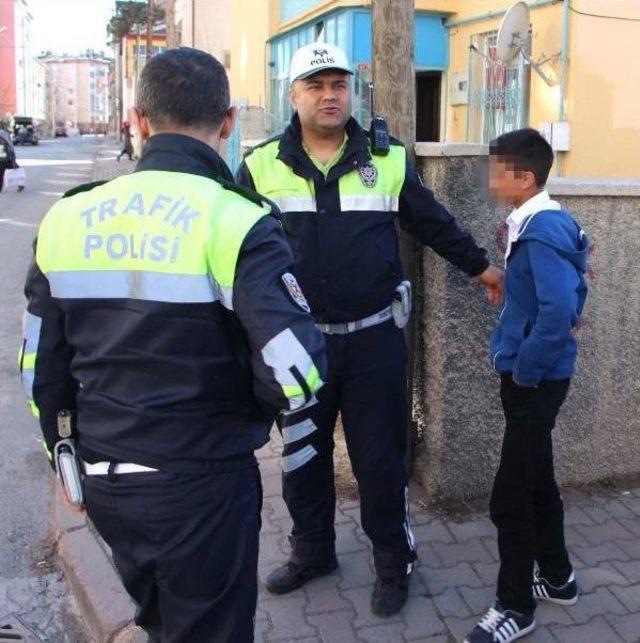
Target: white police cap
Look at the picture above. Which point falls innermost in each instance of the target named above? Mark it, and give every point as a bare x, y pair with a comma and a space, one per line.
316, 57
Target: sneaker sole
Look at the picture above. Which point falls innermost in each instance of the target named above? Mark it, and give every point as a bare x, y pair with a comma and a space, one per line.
287, 590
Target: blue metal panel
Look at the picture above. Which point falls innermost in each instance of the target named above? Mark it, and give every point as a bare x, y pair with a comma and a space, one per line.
431, 43
291, 8
362, 36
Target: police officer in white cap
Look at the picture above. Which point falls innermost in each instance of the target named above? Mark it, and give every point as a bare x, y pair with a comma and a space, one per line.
339, 201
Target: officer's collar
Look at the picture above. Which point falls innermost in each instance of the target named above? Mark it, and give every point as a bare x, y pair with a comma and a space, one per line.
291, 149
180, 153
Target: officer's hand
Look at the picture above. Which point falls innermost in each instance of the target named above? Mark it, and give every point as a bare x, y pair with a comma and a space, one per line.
492, 279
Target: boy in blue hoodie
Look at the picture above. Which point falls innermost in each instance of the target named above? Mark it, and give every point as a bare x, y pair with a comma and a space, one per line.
534, 351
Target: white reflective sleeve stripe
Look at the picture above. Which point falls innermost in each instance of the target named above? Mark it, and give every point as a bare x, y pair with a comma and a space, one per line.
298, 431
282, 353
295, 203
297, 459
226, 296
312, 402
365, 202
31, 326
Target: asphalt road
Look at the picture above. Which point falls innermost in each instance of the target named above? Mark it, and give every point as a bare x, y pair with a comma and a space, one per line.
33, 593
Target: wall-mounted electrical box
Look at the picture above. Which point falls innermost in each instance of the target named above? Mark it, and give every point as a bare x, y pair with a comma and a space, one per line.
459, 89
558, 135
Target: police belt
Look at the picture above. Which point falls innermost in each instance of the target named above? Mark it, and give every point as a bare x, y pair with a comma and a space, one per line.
345, 328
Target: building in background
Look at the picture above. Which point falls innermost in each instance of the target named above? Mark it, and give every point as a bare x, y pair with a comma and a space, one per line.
206, 25
18, 70
460, 94
130, 58
78, 91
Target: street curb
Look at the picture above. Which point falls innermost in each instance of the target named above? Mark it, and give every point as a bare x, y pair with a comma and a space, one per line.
104, 604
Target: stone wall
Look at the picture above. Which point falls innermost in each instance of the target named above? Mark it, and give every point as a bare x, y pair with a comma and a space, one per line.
457, 411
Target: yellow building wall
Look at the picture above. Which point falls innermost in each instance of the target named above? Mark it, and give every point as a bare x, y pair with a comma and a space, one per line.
603, 91
249, 34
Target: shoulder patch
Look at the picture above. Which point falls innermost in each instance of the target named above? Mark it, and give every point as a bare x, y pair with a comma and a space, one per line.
85, 187
295, 292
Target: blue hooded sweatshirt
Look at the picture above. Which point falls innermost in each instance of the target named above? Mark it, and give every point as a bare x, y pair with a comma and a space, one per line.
544, 292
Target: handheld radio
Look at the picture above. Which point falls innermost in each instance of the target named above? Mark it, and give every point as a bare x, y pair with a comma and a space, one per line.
378, 132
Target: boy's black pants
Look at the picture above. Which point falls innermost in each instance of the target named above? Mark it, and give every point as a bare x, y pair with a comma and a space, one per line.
186, 547
525, 503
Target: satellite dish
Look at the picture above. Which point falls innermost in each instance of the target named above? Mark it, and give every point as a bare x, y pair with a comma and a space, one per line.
513, 32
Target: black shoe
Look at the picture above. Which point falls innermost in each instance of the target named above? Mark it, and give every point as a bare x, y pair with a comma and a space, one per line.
389, 595
500, 625
290, 576
566, 594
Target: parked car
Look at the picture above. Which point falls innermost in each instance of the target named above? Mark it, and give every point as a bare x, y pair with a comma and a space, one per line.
61, 131
23, 131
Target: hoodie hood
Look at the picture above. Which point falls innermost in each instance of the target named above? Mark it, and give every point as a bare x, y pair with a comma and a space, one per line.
558, 229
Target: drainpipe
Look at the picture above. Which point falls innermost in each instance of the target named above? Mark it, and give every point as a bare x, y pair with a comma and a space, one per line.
564, 58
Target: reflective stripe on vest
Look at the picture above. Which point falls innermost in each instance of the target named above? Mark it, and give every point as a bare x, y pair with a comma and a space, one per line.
374, 188
153, 235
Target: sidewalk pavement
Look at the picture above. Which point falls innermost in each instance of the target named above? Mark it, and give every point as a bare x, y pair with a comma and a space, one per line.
454, 581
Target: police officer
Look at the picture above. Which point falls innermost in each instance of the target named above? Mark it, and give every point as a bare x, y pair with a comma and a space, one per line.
163, 313
339, 202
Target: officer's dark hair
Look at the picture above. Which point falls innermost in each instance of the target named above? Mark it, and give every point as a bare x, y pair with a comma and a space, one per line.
185, 87
525, 150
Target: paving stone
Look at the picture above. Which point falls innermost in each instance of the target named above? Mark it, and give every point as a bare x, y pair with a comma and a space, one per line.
437, 580
604, 574
432, 532
421, 618
272, 486
617, 509
630, 570
360, 598
346, 539
595, 631
575, 516
551, 614
541, 634
261, 630
131, 634
599, 554
464, 531
598, 534
421, 517
479, 599
628, 596
450, 603
492, 547
458, 628
278, 508
488, 572
335, 626
470, 551
630, 547
598, 603
355, 570
631, 524
632, 502
627, 626
598, 514
572, 538
416, 584
427, 555
434, 639
342, 517
391, 633
270, 467
324, 595
286, 617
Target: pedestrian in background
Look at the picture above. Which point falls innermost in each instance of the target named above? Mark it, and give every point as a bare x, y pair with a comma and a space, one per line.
127, 147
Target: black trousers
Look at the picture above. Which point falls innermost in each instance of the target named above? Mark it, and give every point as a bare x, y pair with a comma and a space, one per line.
526, 506
186, 547
367, 385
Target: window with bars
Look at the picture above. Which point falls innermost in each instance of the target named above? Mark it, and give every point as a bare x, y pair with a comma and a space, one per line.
499, 94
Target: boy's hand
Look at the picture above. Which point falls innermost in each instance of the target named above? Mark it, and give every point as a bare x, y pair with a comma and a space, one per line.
492, 279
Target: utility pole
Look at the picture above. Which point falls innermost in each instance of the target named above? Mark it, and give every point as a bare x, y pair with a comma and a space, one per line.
170, 22
149, 29
395, 98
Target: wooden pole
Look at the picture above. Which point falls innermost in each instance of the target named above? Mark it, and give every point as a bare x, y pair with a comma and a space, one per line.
395, 98
170, 21
149, 29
